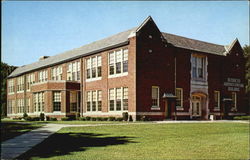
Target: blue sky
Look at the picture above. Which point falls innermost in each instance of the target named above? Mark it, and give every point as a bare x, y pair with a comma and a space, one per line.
32, 29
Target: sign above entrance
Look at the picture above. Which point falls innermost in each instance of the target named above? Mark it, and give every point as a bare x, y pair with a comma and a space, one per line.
233, 84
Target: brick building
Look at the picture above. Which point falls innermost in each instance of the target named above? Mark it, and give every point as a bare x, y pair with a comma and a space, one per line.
142, 71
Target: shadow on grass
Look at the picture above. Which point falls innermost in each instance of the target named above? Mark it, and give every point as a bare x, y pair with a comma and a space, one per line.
60, 144
10, 129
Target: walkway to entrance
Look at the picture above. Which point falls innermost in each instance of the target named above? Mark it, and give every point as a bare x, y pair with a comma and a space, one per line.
13, 148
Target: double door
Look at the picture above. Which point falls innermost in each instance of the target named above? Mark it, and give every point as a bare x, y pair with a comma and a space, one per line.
196, 106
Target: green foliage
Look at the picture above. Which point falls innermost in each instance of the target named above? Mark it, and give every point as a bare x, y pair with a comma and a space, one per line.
25, 115
119, 119
125, 116
5, 71
53, 119
65, 118
242, 118
111, 118
42, 116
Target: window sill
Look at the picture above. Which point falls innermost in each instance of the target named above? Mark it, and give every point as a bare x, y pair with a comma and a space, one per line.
180, 109
155, 108
118, 75
93, 79
11, 93
19, 91
216, 109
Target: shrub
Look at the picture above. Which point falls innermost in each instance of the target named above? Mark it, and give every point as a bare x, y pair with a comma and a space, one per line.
130, 118
93, 119
99, 119
82, 118
47, 118
42, 116
53, 119
25, 115
35, 119
125, 116
28, 118
77, 116
111, 118
87, 118
105, 118
119, 119
242, 118
65, 118
17, 118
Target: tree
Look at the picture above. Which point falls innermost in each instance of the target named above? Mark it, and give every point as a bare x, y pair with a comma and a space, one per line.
5, 71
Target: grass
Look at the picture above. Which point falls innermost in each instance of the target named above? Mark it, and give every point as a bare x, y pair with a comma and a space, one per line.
10, 129
146, 142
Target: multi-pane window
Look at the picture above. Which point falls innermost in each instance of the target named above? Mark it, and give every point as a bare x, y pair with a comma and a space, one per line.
11, 87
73, 71
56, 101
94, 67
118, 62
20, 105
30, 79
73, 101
125, 98
155, 96
216, 99
94, 100
27, 108
20, 83
198, 67
56, 73
38, 100
10, 106
179, 97
118, 99
43, 76
234, 100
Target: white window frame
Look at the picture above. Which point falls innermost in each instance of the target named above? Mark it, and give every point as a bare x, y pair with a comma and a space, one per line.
91, 65
158, 97
115, 98
20, 84
11, 87
91, 100
72, 69
203, 61
115, 61
43, 76
181, 90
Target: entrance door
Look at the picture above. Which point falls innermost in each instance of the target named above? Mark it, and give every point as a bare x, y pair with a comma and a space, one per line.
196, 106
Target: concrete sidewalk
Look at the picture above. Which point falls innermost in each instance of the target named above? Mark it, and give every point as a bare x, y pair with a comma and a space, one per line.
13, 148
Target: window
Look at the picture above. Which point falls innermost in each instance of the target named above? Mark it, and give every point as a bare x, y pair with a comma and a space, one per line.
94, 67
118, 99
118, 62
11, 87
27, 108
56, 101
43, 76
94, 101
125, 98
179, 98
56, 73
216, 99
198, 67
73, 71
73, 101
10, 106
155, 96
38, 100
30, 79
20, 83
20, 105
234, 99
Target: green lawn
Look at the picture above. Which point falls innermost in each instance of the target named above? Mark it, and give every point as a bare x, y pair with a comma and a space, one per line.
11, 129
147, 142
